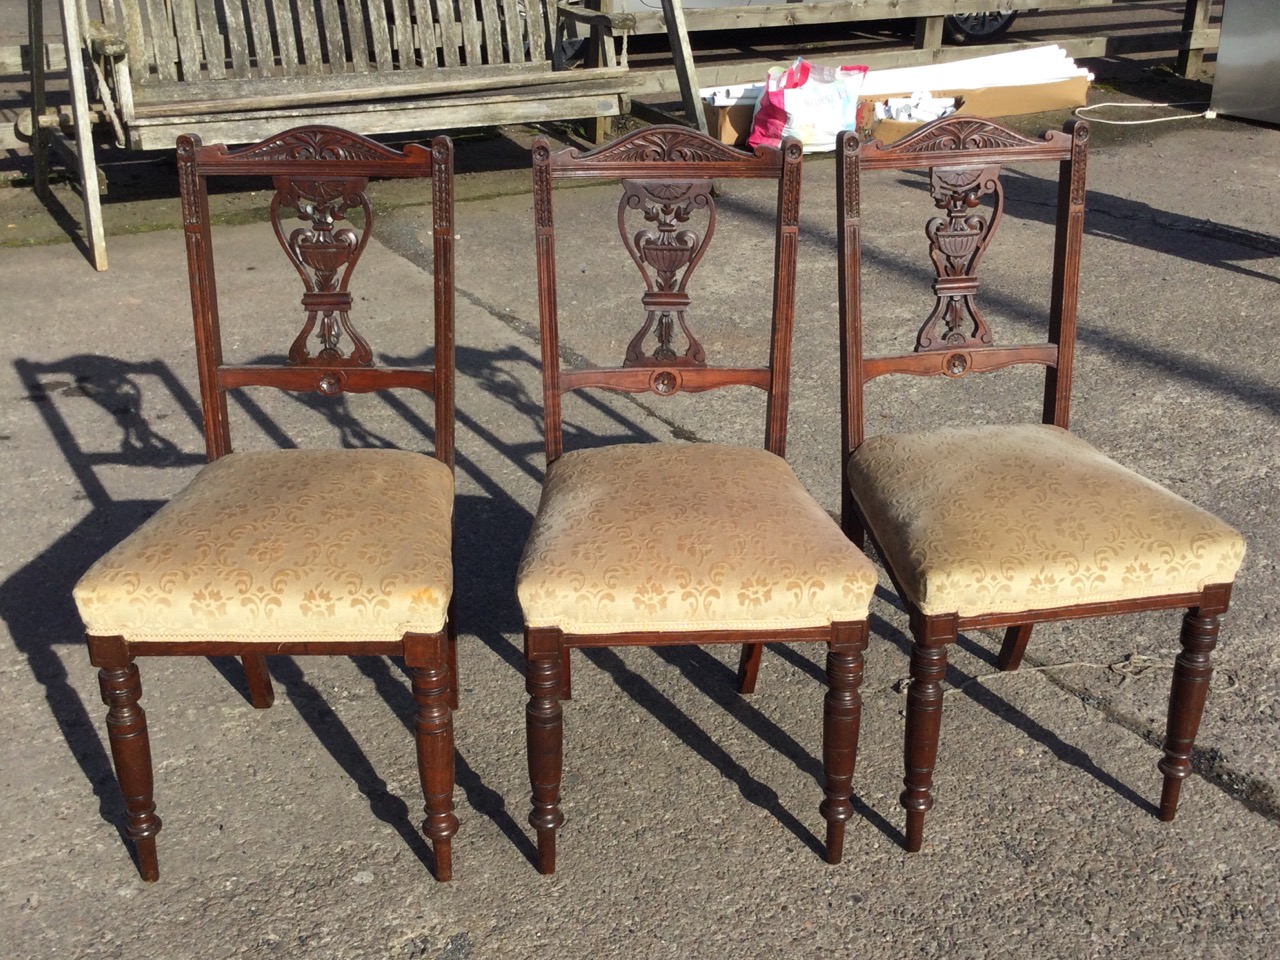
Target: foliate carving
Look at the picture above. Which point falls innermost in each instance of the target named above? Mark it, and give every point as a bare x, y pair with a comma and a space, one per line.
541, 184
325, 253
666, 253
852, 182
956, 244
187, 179
664, 145
317, 143
1080, 153
961, 133
441, 184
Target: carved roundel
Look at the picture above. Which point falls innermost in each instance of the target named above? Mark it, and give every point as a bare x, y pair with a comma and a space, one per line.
665, 383
956, 364
330, 384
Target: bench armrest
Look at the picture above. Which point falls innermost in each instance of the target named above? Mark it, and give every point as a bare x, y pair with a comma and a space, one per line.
612, 22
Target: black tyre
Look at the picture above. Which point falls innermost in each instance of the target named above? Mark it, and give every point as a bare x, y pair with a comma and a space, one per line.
978, 27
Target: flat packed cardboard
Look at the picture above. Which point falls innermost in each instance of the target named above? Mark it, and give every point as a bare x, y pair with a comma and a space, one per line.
990, 102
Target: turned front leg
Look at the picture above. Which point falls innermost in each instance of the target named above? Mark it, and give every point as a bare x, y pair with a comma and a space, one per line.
1192, 672
427, 658
545, 735
841, 719
924, 721
121, 688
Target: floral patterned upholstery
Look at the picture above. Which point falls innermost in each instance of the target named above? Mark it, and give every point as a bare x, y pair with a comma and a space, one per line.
673, 537
285, 545
1002, 519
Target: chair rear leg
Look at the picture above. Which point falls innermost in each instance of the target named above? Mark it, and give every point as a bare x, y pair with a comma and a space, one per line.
121, 688
261, 693
566, 684
427, 659
924, 721
544, 725
749, 667
1014, 646
841, 719
451, 633
1192, 671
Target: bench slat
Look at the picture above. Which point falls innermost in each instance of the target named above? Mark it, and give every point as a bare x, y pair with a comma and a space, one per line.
331, 25
536, 29
190, 51
287, 44
379, 34
162, 43
492, 31
260, 29
472, 33
238, 41
357, 39
309, 37
512, 31
450, 39
261, 93
402, 36
212, 41
136, 38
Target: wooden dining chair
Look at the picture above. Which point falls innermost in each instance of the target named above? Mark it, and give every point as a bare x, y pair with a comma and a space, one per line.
1006, 526
664, 543
288, 551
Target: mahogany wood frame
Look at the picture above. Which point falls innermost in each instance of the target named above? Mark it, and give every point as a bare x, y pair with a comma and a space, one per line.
314, 156
968, 143
673, 154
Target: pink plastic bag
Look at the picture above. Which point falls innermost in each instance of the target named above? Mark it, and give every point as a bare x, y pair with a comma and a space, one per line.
807, 101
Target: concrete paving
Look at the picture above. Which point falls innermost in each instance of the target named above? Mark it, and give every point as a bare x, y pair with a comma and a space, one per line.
692, 821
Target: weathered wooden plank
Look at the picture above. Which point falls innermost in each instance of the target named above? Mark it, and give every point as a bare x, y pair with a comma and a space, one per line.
286, 43
309, 38
472, 32
379, 35
165, 50
190, 50
135, 37
266, 93
334, 46
436, 116
260, 30
402, 35
491, 20
211, 39
237, 39
536, 29
513, 32
449, 39
357, 39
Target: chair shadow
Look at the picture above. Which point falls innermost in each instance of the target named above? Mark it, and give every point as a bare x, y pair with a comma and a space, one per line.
35, 601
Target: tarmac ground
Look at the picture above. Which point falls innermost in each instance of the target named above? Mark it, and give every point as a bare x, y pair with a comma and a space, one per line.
692, 813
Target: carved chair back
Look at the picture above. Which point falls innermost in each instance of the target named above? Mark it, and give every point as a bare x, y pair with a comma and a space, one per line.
320, 176
667, 221
964, 157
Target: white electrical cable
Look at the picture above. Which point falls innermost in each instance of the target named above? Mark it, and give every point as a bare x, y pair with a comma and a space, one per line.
1080, 112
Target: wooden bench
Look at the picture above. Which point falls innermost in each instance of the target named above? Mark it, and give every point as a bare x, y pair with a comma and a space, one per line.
239, 71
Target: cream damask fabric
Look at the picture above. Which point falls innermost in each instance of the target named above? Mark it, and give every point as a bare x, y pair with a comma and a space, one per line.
285, 545
685, 537
1002, 519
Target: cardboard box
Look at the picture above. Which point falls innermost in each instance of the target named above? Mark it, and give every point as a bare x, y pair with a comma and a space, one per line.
729, 111
990, 102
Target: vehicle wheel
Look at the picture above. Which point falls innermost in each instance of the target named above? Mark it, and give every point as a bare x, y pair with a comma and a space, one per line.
977, 27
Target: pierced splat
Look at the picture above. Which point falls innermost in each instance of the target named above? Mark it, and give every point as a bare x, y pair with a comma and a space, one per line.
956, 244
667, 254
325, 254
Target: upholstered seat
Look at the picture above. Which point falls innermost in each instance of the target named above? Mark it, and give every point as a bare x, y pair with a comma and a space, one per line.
1005, 519
685, 537
285, 545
